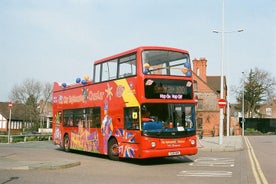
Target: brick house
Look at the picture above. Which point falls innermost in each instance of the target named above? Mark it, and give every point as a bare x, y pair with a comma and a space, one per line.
207, 90
268, 110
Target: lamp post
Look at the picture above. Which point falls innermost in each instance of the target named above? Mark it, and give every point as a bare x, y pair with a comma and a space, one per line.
221, 117
243, 105
9, 124
222, 60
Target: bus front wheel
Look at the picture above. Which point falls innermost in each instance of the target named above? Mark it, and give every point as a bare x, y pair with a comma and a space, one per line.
66, 143
113, 149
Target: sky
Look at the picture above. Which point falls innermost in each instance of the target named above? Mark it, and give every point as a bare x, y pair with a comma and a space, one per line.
58, 40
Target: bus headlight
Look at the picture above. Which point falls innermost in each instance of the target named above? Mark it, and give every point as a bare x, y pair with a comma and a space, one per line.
192, 141
153, 144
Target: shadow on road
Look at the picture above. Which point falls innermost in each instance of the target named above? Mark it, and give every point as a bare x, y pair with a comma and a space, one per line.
158, 161
142, 162
10, 180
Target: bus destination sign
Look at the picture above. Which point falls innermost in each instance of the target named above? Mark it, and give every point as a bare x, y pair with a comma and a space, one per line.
168, 89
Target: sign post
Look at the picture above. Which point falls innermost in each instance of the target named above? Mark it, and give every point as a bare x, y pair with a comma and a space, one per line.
9, 125
222, 104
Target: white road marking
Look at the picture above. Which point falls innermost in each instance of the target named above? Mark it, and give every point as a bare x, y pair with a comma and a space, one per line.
209, 162
213, 162
200, 173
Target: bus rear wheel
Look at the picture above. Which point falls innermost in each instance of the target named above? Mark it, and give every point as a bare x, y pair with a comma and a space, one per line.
66, 143
113, 149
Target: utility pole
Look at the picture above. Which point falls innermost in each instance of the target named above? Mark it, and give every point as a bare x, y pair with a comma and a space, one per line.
9, 124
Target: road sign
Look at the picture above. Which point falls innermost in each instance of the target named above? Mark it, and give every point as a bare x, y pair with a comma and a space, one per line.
10, 105
222, 103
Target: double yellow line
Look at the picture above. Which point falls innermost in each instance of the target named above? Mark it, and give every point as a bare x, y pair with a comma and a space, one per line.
256, 169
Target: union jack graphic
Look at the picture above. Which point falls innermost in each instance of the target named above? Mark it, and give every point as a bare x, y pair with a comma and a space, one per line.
128, 151
127, 136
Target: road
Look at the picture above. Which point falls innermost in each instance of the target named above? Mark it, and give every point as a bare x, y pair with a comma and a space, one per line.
262, 161
205, 167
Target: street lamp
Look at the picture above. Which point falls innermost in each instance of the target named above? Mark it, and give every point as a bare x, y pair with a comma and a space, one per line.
9, 124
221, 116
243, 105
222, 58
235, 31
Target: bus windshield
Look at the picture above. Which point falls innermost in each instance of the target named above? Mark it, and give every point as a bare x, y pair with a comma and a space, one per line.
160, 62
178, 119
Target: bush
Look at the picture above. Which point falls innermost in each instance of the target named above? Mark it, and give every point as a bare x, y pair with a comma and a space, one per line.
3, 139
24, 138
250, 130
17, 139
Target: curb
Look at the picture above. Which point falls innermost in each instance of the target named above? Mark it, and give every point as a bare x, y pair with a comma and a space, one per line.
225, 149
231, 144
39, 165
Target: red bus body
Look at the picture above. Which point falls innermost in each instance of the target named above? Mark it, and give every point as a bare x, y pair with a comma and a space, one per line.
107, 115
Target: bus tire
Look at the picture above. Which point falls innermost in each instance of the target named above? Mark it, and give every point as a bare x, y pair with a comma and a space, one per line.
66, 143
113, 149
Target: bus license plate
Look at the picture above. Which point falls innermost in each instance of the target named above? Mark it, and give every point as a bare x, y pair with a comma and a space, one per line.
173, 153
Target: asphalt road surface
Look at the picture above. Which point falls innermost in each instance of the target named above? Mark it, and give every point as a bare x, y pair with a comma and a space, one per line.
205, 167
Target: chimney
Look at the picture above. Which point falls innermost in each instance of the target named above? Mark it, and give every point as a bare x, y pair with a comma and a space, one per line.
199, 68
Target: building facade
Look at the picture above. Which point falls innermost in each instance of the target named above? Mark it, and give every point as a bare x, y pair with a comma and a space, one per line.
207, 90
268, 110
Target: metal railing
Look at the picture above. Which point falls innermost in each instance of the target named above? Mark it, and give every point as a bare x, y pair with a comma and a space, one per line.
25, 138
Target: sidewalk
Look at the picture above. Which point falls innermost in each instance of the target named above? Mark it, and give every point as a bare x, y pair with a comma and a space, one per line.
33, 156
8, 164
230, 143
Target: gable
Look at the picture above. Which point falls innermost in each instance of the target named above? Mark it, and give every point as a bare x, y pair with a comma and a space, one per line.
214, 82
203, 86
2, 118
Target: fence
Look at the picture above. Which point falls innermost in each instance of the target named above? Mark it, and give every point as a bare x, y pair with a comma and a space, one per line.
25, 138
263, 125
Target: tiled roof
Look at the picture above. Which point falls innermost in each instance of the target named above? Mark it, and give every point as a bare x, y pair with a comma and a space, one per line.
18, 111
214, 82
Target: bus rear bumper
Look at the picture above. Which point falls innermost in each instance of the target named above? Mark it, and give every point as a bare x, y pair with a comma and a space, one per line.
151, 153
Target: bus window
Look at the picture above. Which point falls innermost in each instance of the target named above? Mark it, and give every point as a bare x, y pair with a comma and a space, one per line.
160, 62
131, 120
109, 70
78, 117
86, 118
97, 73
68, 118
178, 116
94, 117
127, 66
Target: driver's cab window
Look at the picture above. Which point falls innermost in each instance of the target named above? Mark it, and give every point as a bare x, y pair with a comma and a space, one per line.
131, 115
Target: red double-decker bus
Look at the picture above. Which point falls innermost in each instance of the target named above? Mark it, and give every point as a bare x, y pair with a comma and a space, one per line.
140, 104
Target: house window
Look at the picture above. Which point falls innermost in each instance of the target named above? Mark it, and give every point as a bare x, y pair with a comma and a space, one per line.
199, 123
195, 86
200, 104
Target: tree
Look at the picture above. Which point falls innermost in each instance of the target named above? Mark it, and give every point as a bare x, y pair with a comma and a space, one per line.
32, 110
258, 89
30, 93
21, 93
